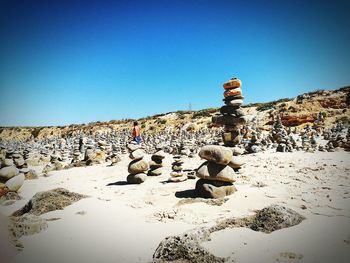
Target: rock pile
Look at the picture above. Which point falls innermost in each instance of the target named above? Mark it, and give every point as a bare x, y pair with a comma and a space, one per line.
177, 175
216, 174
156, 163
11, 179
232, 116
137, 167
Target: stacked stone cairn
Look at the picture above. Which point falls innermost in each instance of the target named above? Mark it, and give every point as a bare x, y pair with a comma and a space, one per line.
217, 173
280, 137
11, 179
137, 167
156, 163
232, 116
114, 155
177, 174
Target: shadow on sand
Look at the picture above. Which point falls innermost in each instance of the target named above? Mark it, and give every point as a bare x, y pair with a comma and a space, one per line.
118, 183
191, 193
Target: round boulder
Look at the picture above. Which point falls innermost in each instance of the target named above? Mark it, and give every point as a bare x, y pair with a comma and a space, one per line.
214, 171
214, 189
8, 172
138, 166
136, 178
15, 183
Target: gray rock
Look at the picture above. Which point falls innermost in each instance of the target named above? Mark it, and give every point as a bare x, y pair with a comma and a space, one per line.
215, 153
28, 224
136, 178
185, 248
214, 189
137, 166
15, 183
132, 147
137, 154
155, 172
275, 217
213, 171
8, 172
43, 202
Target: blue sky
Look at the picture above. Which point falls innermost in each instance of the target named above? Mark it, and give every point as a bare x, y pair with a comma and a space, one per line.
64, 62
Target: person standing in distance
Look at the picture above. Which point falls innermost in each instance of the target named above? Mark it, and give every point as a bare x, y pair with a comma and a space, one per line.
136, 133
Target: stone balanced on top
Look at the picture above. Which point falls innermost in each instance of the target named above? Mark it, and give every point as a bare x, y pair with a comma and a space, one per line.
217, 174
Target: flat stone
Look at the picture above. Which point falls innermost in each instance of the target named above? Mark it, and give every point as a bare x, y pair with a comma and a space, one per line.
236, 111
159, 154
153, 165
137, 154
132, 147
228, 120
216, 153
178, 179
155, 172
236, 102
176, 168
214, 171
176, 174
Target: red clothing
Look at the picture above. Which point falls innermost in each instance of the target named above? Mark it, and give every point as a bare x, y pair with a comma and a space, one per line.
135, 131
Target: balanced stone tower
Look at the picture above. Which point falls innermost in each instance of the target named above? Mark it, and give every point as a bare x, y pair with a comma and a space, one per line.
137, 166
177, 175
232, 116
217, 174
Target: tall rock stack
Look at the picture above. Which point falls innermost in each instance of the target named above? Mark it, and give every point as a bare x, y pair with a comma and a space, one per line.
232, 116
156, 163
217, 173
137, 167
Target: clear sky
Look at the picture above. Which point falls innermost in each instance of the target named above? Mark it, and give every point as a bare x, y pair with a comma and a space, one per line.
64, 62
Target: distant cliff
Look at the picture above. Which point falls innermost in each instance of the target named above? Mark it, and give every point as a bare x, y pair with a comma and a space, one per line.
334, 105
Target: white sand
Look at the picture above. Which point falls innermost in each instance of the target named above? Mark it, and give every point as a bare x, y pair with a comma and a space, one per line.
125, 223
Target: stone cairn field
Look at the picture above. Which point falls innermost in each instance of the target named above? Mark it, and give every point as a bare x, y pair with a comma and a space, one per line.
17, 158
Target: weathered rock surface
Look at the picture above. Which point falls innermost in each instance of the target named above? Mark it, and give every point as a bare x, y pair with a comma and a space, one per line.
185, 248
138, 166
136, 178
214, 189
47, 201
15, 183
8, 172
27, 224
215, 153
213, 171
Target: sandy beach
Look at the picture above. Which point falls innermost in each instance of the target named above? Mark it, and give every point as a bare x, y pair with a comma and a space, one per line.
119, 222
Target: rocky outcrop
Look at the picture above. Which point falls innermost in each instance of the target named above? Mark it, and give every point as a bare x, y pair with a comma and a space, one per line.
187, 247
47, 201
